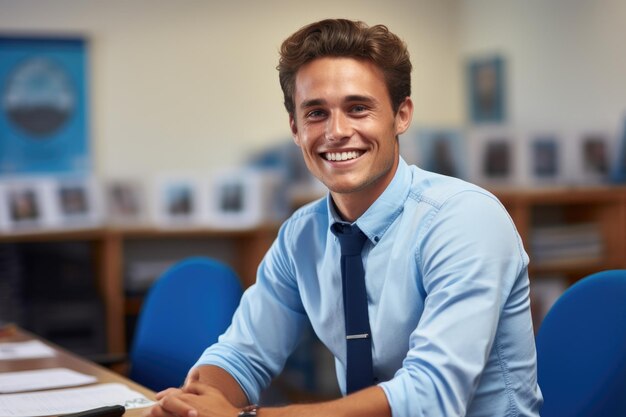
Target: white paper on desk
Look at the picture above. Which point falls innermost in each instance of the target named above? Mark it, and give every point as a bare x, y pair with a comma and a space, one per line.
25, 350
71, 400
42, 379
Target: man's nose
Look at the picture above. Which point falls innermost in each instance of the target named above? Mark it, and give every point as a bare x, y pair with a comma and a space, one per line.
338, 127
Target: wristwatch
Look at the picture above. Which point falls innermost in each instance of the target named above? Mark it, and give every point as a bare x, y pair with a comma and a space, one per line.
249, 411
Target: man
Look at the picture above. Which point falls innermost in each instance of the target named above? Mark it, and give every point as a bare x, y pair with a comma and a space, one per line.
448, 326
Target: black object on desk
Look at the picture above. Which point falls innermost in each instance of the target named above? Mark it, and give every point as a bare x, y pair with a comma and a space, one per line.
108, 411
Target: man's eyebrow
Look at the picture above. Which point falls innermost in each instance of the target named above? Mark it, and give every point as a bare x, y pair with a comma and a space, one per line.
312, 103
350, 99
356, 97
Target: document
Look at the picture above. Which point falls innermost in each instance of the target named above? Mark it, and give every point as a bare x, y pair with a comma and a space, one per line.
25, 350
42, 379
71, 400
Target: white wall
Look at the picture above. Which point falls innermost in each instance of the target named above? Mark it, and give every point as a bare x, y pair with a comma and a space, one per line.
566, 58
192, 85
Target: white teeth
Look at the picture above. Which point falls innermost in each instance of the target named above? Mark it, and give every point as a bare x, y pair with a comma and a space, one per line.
342, 156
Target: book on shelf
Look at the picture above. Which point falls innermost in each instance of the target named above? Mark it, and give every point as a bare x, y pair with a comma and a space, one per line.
566, 243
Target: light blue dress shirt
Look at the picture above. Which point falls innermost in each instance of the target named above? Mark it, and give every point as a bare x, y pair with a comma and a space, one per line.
447, 286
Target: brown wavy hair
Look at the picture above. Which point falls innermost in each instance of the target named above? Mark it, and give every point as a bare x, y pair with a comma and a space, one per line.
346, 38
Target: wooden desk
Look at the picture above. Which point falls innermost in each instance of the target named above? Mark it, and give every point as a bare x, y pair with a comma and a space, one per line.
66, 359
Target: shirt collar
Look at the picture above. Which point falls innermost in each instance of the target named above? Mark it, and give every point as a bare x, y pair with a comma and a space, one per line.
379, 216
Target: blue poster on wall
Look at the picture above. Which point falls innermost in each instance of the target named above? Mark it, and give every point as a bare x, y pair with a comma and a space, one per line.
487, 92
43, 106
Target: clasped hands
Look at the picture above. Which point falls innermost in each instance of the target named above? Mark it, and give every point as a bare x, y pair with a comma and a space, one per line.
194, 399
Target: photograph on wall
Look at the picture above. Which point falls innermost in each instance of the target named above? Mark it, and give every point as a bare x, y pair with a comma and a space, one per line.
177, 200
492, 154
497, 159
23, 205
487, 89
76, 201
73, 200
442, 151
545, 158
232, 199
245, 197
43, 106
125, 201
594, 154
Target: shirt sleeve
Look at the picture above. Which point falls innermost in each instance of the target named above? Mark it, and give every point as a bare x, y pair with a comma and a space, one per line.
266, 327
470, 257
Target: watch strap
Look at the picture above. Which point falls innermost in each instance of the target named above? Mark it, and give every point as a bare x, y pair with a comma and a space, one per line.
249, 411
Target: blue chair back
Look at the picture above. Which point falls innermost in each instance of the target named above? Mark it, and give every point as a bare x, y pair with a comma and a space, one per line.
184, 312
581, 349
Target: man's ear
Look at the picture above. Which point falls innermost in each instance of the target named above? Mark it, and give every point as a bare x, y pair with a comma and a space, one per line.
404, 115
294, 129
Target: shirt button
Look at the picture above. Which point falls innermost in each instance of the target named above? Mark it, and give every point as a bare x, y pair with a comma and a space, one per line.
376, 238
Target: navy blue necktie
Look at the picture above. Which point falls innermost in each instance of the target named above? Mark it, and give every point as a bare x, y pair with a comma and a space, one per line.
359, 373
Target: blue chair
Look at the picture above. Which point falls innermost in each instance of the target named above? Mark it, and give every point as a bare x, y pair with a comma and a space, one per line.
581, 349
184, 312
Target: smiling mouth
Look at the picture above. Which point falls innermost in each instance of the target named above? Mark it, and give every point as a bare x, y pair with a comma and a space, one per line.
342, 156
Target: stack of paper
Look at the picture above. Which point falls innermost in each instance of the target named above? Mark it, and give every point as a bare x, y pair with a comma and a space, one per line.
42, 379
15, 401
55, 402
25, 350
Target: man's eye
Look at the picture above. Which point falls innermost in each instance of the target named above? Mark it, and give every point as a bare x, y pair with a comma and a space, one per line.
315, 114
359, 108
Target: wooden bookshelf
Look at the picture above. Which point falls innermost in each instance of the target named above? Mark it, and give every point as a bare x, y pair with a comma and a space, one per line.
108, 258
604, 207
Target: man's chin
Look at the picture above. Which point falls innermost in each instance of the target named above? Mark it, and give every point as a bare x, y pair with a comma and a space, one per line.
344, 188
345, 184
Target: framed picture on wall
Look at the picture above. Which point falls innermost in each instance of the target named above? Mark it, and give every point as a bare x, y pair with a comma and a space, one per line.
545, 151
125, 201
493, 156
546, 158
76, 201
497, 159
24, 205
593, 157
241, 198
442, 150
177, 201
44, 105
486, 85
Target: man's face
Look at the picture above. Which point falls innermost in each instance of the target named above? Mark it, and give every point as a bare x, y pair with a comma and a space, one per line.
345, 125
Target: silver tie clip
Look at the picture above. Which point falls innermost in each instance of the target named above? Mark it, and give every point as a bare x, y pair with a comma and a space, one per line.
357, 336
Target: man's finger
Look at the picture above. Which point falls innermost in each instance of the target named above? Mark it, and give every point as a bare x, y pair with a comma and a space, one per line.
167, 391
174, 404
156, 411
197, 388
